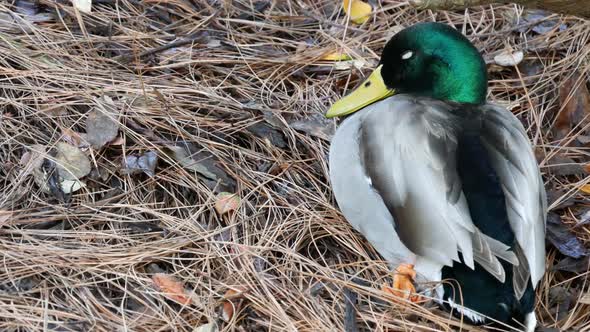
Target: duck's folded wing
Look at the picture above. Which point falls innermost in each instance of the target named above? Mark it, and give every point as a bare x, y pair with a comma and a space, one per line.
408, 149
514, 161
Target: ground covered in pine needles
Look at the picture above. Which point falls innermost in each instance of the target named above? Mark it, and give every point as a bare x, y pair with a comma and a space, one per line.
164, 163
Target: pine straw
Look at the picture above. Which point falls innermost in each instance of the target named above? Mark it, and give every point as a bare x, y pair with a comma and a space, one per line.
86, 263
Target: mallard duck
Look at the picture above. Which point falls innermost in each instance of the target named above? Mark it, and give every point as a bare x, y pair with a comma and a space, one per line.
444, 185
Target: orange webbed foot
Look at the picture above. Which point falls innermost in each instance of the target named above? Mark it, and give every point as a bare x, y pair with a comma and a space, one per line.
403, 284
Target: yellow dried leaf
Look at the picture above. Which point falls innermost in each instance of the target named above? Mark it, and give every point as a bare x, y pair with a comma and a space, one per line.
170, 286
585, 188
357, 10
226, 202
335, 56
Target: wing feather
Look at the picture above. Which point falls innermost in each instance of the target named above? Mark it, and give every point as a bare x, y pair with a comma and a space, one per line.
514, 161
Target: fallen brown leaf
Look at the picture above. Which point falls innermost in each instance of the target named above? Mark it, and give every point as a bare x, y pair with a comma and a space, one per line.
171, 287
226, 202
102, 125
575, 107
145, 163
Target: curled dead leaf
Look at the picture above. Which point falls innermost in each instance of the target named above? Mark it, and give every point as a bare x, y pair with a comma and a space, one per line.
171, 287
226, 202
232, 302
509, 59
358, 10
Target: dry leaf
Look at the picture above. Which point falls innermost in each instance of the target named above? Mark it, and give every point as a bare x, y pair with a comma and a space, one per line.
145, 163
357, 10
575, 106
70, 136
585, 299
102, 125
117, 141
194, 157
72, 164
70, 186
266, 131
563, 238
85, 6
229, 308
509, 59
562, 165
346, 65
184, 158
315, 125
335, 56
538, 19
33, 161
569, 264
171, 287
209, 327
585, 189
74, 138
226, 202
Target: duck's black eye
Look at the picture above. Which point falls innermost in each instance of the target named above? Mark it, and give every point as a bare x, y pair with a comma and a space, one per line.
407, 54
367, 84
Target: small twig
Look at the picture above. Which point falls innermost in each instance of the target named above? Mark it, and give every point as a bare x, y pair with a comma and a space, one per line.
196, 37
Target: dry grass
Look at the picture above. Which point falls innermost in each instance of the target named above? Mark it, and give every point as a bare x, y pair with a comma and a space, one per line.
234, 92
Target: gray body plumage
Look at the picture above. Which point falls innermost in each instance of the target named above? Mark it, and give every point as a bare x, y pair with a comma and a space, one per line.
394, 175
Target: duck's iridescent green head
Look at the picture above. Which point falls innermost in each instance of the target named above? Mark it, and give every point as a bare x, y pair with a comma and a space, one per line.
435, 60
426, 59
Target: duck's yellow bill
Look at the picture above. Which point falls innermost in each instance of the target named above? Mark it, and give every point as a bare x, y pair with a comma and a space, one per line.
372, 90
